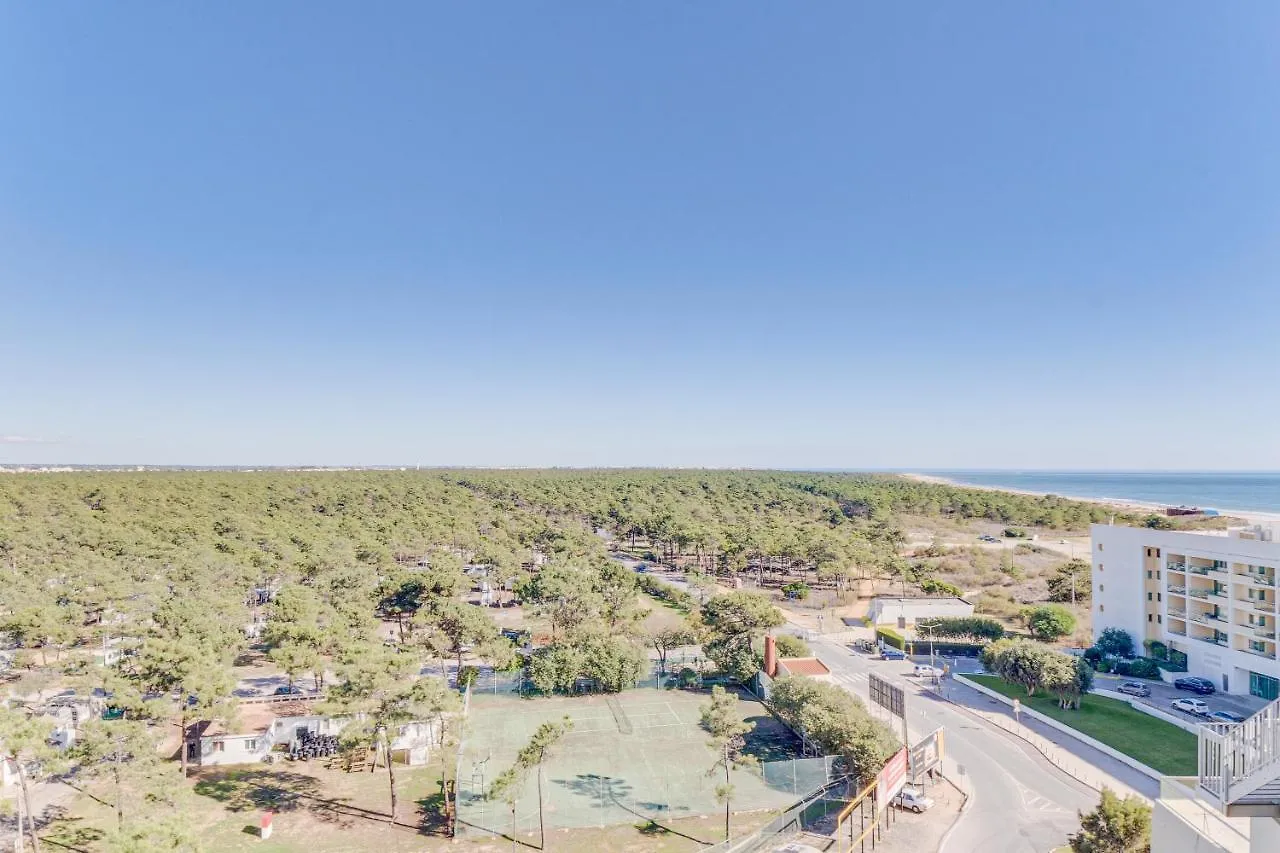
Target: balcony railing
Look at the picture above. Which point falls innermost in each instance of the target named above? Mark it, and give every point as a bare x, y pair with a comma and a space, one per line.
1177, 567
1177, 614
1198, 570
1219, 593
1176, 633
1198, 593
1214, 641
1267, 633
1262, 654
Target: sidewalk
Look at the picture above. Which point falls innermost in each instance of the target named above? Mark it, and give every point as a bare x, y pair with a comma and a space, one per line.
1074, 758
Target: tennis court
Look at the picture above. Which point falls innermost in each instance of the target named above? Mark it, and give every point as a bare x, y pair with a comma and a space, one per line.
636, 755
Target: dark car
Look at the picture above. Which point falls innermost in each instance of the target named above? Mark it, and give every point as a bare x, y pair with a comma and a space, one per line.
1225, 717
288, 690
1195, 684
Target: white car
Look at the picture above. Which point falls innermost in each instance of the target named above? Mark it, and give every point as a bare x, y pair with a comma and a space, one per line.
923, 670
913, 799
1192, 706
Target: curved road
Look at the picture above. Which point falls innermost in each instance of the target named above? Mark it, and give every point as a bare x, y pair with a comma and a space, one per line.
1020, 803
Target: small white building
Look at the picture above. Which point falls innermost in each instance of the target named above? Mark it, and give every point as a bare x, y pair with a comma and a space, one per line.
262, 727
903, 612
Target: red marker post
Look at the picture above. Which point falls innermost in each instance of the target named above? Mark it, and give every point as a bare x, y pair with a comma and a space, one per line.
264, 832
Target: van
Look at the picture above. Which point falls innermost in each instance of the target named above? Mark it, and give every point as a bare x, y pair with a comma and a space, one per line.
923, 670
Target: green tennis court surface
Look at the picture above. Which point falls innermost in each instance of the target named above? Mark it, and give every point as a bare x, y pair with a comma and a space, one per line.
636, 755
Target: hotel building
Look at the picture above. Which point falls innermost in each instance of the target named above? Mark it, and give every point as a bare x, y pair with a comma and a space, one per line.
1210, 596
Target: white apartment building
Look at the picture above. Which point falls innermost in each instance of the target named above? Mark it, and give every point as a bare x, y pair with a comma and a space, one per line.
1210, 596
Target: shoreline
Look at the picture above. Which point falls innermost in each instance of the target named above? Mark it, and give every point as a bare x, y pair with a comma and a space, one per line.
1249, 516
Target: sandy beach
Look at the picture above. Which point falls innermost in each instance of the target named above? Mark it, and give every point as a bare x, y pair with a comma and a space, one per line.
1248, 517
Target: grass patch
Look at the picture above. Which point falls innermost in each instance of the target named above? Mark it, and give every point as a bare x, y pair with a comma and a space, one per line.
1158, 744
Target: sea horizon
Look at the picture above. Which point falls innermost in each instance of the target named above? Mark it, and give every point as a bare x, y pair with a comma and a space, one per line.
1225, 491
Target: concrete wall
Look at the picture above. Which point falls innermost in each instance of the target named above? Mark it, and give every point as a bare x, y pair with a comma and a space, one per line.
1118, 580
889, 611
233, 749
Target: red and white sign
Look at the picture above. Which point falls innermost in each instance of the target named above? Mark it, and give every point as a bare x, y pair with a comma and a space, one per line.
264, 831
891, 779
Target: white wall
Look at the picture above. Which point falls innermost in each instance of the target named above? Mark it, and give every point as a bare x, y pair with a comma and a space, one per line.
1119, 597
235, 749
889, 611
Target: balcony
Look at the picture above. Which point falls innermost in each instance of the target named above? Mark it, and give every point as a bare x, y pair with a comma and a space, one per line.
1174, 632
1198, 570
1252, 651
1218, 595
1213, 641
1265, 633
1176, 567
1177, 614
1198, 593
1177, 590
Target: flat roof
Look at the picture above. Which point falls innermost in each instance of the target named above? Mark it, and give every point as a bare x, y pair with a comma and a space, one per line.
257, 718
804, 666
923, 599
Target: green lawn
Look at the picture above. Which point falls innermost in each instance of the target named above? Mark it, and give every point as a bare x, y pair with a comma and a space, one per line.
1154, 742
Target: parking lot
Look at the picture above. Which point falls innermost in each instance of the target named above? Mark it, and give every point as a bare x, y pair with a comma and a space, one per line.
1162, 695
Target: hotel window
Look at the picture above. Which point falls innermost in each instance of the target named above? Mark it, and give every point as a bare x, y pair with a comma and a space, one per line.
1157, 574
1101, 588
1099, 566
1102, 608
1148, 574
1148, 617
1148, 596
1159, 597
1159, 619
1099, 546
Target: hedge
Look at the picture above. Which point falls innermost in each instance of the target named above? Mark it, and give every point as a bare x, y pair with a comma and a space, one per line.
921, 647
891, 637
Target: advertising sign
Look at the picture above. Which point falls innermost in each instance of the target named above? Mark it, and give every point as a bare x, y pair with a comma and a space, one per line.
891, 779
926, 755
886, 695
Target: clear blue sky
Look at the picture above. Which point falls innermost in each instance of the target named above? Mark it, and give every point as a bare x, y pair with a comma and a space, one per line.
580, 233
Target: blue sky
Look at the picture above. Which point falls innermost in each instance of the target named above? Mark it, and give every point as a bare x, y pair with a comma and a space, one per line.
834, 235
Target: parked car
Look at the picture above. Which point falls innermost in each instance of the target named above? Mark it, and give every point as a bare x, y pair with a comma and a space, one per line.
1225, 717
288, 690
923, 670
642, 568
1195, 684
1191, 706
890, 653
913, 799
1134, 688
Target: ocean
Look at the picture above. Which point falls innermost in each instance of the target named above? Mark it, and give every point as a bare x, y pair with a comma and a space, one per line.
1258, 491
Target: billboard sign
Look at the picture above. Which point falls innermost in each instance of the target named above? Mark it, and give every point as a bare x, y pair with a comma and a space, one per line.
891, 779
886, 695
926, 755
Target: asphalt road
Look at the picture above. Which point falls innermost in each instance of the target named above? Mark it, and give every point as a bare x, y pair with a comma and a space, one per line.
1020, 802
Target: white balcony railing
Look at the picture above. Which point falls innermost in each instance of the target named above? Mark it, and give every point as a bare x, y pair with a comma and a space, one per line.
1236, 760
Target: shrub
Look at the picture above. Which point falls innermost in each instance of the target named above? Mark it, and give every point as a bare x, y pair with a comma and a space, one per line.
467, 676
891, 637
798, 590
1137, 668
791, 646
687, 677
965, 626
1116, 642
934, 586
1050, 622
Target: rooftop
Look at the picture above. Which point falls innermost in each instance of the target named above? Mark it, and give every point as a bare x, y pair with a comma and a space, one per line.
922, 599
804, 666
256, 718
